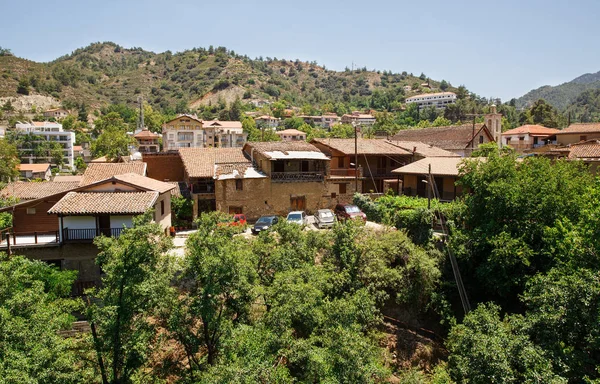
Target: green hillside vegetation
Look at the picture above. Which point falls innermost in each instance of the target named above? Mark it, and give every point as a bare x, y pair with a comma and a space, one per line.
105, 73
561, 96
586, 107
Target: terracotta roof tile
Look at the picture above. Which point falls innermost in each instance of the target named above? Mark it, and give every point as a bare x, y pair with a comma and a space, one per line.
32, 190
580, 128
222, 124
200, 162
285, 150
101, 171
290, 132
34, 167
422, 149
365, 146
146, 134
145, 182
532, 130
90, 203
448, 137
444, 166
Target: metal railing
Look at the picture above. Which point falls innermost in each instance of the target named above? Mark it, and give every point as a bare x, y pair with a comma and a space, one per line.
88, 234
291, 177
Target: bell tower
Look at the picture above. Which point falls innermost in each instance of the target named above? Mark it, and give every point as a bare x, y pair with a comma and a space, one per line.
493, 122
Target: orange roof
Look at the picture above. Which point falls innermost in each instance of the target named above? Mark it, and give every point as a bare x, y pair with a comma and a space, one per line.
222, 124
102, 171
86, 203
531, 130
146, 134
77, 148
290, 132
34, 167
581, 128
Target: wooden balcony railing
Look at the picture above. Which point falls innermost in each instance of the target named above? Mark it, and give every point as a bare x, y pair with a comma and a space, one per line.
28, 238
345, 172
296, 177
88, 234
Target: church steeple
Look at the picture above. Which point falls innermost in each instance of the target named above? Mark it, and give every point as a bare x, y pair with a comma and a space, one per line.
493, 122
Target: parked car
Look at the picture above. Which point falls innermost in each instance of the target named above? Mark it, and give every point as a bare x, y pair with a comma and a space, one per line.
239, 219
324, 218
297, 217
348, 211
264, 223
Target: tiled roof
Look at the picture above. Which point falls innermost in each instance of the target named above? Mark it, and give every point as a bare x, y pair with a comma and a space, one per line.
194, 117
444, 166
34, 167
77, 148
365, 146
422, 149
580, 128
200, 162
532, 130
585, 150
73, 178
237, 171
32, 190
144, 182
101, 171
146, 134
448, 137
222, 124
285, 150
90, 203
290, 132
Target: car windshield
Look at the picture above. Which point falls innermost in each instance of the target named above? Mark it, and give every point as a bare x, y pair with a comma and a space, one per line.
326, 214
294, 216
264, 220
352, 209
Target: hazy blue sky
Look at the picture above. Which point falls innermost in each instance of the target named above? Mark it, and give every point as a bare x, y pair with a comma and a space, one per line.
497, 49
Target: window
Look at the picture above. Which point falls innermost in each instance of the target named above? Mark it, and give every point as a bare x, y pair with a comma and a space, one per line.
480, 139
507, 140
342, 189
239, 184
162, 208
521, 138
31, 211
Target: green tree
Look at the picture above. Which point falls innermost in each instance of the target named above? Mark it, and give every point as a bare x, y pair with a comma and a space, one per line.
135, 286
220, 279
488, 349
444, 85
82, 114
23, 86
9, 161
34, 307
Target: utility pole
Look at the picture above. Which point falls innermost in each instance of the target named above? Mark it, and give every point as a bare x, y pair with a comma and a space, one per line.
355, 125
429, 187
141, 119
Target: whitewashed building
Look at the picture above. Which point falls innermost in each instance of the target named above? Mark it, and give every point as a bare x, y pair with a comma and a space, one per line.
47, 131
437, 100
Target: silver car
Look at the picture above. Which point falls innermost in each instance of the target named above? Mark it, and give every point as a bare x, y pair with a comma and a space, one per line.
324, 218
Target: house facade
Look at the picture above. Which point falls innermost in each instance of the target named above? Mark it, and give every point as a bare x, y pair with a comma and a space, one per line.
188, 131
291, 135
437, 100
35, 171
147, 141
57, 113
267, 121
360, 119
576, 133
433, 177
47, 131
527, 137
376, 160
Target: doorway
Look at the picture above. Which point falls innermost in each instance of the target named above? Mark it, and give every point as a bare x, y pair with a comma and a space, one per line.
298, 203
104, 224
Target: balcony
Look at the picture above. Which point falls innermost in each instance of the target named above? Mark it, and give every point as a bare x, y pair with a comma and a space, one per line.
345, 172
26, 239
296, 177
85, 235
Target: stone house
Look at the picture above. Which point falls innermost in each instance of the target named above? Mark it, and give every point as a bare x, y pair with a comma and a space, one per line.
576, 133
291, 135
527, 137
35, 171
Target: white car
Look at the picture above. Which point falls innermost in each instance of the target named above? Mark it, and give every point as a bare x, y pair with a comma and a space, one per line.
324, 218
297, 217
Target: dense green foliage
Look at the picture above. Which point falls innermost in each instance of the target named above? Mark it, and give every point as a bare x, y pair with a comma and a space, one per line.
34, 307
9, 161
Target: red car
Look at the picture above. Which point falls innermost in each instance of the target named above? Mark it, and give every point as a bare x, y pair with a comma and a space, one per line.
239, 219
347, 211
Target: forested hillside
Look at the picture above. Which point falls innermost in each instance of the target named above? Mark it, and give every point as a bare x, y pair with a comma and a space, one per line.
104, 73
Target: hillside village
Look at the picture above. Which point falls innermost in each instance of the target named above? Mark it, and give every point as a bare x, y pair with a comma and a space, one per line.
365, 227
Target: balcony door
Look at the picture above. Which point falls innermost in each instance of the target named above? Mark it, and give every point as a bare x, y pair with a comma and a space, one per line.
104, 224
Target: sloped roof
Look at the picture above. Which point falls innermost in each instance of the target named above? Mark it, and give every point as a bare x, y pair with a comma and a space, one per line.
200, 162
290, 131
580, 128
422, 149
146, 134
447, 137
364, 146
86, 203
222, 124
144, 182
443, 166
237, 171
73, 178
193, 117
34, 167
101, 171
283, 150
531, 129
33, 190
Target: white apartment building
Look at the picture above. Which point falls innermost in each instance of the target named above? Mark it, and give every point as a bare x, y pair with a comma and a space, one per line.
361, 119
267, 121
438, 100
326, 121
48, 131
188, 131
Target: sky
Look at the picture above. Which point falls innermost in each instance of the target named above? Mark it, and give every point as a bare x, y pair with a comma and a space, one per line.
496, 49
